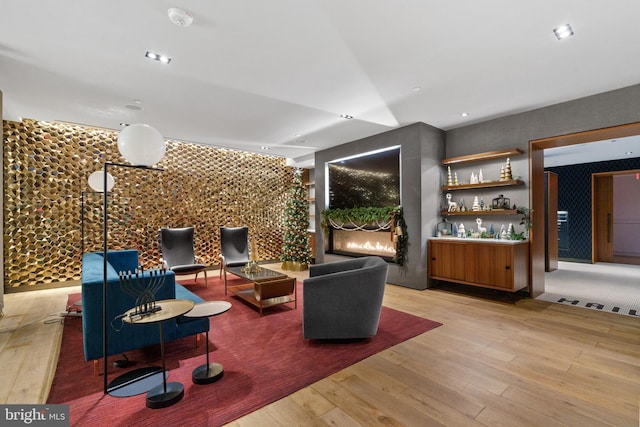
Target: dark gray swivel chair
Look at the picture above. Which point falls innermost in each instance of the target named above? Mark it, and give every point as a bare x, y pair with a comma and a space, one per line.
343, 300
178, 254
234, 248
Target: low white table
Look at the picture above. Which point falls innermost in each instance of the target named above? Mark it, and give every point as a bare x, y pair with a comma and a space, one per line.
209, 372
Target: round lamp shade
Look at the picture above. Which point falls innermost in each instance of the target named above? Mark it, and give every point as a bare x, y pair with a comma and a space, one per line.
96, 181
141, 145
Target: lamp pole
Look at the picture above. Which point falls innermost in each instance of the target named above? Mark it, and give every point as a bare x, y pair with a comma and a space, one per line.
104, 261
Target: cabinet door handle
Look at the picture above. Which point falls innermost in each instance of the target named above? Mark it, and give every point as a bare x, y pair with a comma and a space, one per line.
507, 267
433, 259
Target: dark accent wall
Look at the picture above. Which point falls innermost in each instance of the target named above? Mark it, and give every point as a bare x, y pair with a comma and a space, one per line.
422, 148
574, 196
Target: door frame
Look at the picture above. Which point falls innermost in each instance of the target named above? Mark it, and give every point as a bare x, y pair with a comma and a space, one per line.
536, 183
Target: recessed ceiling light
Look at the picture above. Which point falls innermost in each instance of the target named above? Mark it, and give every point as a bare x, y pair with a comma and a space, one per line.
346, 116
563, 31
464, 114
264, 148
417, 89
124, 124
297, 135
628, 153
158, 57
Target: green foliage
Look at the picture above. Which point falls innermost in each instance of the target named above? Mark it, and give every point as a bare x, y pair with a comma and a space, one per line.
526, 216
357, 215
516, 236
295, 242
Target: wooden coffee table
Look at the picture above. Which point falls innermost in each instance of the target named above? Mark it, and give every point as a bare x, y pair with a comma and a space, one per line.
267, 288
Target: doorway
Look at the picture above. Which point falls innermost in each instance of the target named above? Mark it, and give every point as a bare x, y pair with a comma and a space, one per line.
537, 197
616, 217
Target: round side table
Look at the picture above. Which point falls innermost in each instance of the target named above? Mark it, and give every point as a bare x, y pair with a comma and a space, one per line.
165, 394
209, 372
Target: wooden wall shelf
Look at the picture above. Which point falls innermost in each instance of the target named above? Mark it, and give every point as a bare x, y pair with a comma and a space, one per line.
510, 183
489, 155
481, 213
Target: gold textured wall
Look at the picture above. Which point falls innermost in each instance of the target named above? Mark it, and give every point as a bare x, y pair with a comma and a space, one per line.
46, 166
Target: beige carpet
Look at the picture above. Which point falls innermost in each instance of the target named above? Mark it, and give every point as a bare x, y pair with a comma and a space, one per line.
602, 286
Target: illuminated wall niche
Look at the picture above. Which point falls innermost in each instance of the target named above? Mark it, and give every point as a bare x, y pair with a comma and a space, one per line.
46, 168
368, 180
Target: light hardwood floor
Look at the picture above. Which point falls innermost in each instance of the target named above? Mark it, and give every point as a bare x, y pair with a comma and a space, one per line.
492, 363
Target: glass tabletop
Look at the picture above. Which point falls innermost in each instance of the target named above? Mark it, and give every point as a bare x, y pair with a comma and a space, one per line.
262, 275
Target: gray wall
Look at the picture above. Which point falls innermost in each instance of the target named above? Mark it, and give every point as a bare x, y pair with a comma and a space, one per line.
594, 112
422, 148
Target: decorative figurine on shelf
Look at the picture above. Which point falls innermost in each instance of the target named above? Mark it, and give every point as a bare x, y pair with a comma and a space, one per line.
473, 179
455, 178
500, 202
480, 177
449, 179
503, 232
452, 206
492, 230
461, 232
510, 230
444, 228
476, 204
481, 229
507, 171
455, 230
502, 173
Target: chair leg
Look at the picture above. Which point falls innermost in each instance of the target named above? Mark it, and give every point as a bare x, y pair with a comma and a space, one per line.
96, 368
205, 278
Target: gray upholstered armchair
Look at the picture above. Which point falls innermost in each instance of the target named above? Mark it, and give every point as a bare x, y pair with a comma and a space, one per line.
343, 300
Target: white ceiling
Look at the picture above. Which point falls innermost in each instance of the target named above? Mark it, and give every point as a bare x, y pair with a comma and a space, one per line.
600, 151
249, 73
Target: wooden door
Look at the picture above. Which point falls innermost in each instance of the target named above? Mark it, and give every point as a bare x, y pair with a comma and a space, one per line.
446, 260
602, 220
551, 222
492, 265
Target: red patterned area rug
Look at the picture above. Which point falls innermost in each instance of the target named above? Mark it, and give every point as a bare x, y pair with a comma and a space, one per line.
264, 358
